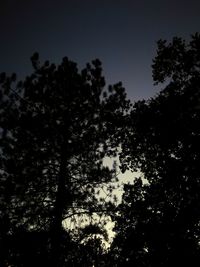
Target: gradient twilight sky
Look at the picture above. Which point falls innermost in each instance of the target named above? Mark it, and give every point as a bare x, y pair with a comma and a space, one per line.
121, 33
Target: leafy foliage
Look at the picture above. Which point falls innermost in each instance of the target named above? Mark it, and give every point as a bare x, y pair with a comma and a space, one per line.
57, 126
158, 221
56, 129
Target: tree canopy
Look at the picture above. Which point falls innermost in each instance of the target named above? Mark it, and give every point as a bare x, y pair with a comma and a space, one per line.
59, 124
158, 220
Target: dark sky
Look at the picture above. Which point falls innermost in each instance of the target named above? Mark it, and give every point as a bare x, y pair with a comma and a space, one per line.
121, 33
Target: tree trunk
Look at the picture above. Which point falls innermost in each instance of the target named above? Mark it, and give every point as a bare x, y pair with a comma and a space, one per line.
57, 229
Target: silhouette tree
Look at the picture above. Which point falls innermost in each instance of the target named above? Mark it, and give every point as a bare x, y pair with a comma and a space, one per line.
158, 219
56, 127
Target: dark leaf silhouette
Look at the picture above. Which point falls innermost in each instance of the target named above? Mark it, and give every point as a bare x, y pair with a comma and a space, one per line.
57, 126
158, 220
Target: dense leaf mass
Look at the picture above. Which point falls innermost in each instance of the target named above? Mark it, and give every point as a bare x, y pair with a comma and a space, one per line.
56, 129
57, 126
158, 221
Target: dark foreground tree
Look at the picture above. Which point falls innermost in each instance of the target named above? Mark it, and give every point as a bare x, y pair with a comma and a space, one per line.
159, 221
56, 128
